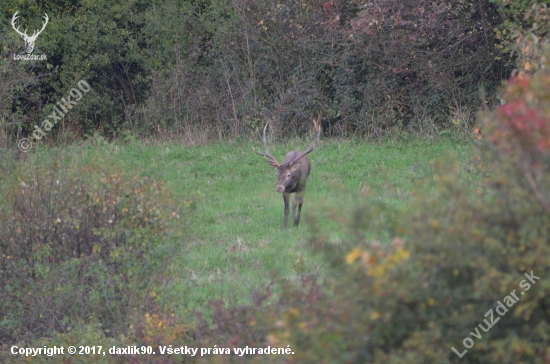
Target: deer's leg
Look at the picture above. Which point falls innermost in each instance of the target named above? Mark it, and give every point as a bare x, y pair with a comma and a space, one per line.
299, 198
294, 208
286, 197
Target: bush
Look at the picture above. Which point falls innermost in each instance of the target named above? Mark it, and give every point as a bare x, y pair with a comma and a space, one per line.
79, 245
160, 329
18, 81
519, 17
370, 67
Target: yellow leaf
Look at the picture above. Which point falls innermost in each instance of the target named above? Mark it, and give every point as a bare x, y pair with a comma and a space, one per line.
402, 254
377, 271
352, 255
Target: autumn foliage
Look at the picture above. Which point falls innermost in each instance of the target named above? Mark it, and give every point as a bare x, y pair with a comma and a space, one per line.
521, 131
81, 244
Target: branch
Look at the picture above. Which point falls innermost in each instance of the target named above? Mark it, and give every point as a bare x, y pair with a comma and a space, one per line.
540, 197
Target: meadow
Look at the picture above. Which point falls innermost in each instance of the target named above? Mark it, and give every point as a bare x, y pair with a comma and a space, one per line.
235, 240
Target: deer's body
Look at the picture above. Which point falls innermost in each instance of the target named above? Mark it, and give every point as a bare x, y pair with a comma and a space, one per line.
292, 176
297, 185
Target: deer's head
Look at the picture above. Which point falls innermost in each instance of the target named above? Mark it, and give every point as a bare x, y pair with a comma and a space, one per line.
290, 171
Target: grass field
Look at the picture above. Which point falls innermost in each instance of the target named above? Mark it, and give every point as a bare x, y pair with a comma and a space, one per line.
236, 238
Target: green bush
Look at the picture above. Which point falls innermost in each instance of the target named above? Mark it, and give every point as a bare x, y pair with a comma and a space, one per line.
519, 17
82, 244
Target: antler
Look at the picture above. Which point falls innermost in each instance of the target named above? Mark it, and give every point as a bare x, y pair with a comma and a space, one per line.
315, 140
17, 29
44, 26
272, 161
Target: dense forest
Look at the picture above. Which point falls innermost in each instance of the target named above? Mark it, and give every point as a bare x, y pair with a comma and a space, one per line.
213, 68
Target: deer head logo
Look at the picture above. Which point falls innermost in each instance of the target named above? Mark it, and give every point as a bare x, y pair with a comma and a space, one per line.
29, 40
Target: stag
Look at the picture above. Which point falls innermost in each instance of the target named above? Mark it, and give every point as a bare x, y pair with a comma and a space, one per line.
29, 41
291, 174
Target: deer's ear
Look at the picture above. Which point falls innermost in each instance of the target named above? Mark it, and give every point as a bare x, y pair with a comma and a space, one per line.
295, 166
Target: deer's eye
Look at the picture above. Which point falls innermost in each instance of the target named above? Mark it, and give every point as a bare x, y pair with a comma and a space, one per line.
288, 175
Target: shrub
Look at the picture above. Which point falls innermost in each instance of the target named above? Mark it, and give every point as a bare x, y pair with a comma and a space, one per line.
18, 93
370, 67
160, 329
519, 17
80, 244
522, 133
419, 63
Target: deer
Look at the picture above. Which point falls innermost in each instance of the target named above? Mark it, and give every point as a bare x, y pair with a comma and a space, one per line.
292, 174
29, 40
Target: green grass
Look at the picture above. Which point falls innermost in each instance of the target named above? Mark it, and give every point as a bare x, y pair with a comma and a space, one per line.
236, 238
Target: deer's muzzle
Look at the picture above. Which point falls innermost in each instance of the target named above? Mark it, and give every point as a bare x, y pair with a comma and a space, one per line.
280, 188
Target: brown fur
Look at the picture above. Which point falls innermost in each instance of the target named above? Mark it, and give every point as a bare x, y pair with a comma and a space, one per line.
292, 175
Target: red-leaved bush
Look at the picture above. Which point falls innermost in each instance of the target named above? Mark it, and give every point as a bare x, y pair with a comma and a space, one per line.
524, 122
520, 129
